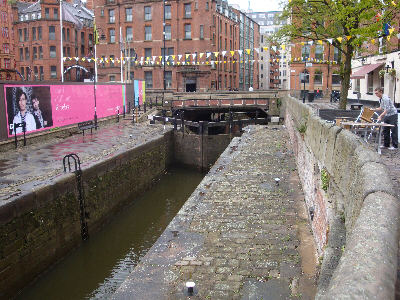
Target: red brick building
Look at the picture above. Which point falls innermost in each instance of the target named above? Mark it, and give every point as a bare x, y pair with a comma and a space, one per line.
37, 40
312, 68
200, 36
7, 62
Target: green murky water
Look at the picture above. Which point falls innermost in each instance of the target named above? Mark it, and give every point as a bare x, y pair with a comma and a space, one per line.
97, 268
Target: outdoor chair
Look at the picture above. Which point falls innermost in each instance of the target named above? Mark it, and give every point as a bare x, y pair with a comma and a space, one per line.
366, 115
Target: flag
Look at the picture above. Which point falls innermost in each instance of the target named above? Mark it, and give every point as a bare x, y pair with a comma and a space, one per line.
96, 34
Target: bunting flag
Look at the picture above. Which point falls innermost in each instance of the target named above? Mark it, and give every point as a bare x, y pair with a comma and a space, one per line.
201, 55
257, 50
187, 56
173, 57
216, 54
348, 37
248, 51
319, 42
283, 47
179, 57
232, 53
311, 43
265, 48
208, 55
339, 39
240, 52
223, 53
160, 58
194, 55
273, 48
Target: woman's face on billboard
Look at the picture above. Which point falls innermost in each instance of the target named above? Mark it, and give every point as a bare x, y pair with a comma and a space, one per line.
22, 102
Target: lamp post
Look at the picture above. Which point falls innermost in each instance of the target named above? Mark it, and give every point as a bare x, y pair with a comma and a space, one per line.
304, 81
164, 54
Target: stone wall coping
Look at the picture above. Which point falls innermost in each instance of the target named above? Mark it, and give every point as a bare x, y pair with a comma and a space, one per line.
368, 266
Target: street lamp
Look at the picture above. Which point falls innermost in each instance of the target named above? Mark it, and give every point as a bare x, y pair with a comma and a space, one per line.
304, 80
164, 85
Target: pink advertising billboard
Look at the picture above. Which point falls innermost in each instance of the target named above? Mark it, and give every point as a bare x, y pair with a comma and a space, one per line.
44, 107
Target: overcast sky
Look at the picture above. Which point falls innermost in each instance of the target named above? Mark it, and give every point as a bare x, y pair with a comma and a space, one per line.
258, 5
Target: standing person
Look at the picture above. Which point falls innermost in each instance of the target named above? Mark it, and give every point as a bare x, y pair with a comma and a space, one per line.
37, 113
389, 116
23, 115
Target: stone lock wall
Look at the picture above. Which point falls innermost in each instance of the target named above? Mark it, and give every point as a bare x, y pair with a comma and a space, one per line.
355, 211
39, 228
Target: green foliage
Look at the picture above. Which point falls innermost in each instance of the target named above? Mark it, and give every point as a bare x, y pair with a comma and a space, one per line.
332, 19
325, 179
382, 73
392, 72
302, 128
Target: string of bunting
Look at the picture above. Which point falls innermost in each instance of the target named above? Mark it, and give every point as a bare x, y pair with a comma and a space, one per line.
210, 58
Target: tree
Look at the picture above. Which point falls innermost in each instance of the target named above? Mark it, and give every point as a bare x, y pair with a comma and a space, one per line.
347, 23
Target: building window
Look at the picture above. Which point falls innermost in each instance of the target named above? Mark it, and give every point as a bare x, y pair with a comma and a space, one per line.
319, 52
112, 58
47, 13
201, 32
370, 83
168, 12
111, 33
82, 38
23, 72
26, 53
111, 16
5, 32
83, 50
6, 48
147, 13
188, 10
55, 13
128, 14
112, 77
68, 34
147, 53
40, 52
53, 72
188, 31
53, 52
336, 79
357, 85
318, 77
26, 34
52, 33
69, 51
167, 32
35, 71
304, 77
129, 34
147, 33
168, 79
305, 52
7, 63
207, 6
34, 53
335, 54
102, 12
39, 33
21, 37
148, 77
33, 33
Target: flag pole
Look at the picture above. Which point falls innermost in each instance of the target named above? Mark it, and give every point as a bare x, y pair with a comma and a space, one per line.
61, 44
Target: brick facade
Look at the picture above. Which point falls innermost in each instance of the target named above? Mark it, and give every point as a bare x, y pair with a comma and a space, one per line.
213, 28
7, 61
37, 42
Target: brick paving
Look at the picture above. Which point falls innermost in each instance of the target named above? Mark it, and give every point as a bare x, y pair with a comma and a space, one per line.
25, 168
237, 236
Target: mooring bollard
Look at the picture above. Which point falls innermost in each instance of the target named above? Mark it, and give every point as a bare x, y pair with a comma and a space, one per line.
133, 115
118, 116
144, 107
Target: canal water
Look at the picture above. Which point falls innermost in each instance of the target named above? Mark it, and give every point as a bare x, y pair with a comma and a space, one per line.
97, 268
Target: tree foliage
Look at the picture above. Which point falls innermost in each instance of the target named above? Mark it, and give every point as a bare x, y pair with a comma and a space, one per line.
354, 22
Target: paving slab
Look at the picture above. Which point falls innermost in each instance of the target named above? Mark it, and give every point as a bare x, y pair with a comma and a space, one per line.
237, 236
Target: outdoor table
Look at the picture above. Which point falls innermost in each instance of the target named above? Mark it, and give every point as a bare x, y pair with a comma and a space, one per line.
379, 125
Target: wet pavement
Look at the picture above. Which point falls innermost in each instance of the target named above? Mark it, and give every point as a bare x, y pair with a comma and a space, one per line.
26, 168
242, 234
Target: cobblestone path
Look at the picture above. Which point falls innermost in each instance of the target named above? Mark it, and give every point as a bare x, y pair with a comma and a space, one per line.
37, 164
237, 237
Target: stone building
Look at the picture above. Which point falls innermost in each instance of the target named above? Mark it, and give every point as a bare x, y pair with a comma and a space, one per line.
38, 45
200, 37
7, 62
273, 66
